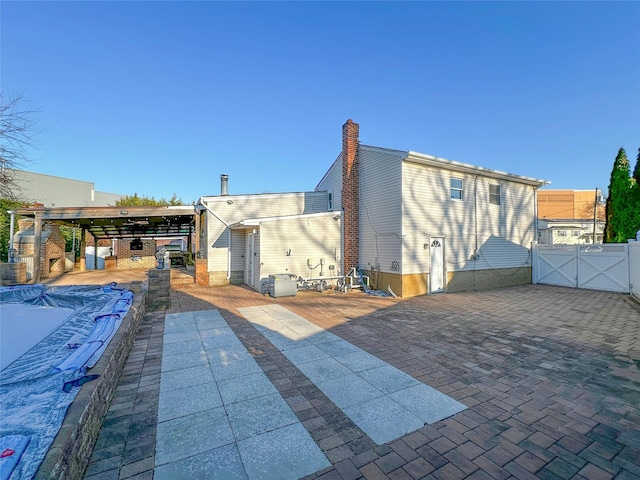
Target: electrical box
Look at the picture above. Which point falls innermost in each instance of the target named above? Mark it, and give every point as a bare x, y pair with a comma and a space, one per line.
283, 285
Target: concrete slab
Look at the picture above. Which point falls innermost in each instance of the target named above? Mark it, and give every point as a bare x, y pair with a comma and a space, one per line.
363, 393
287, 453
225, 410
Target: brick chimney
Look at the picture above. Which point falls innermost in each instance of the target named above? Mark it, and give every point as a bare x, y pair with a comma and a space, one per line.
350, 195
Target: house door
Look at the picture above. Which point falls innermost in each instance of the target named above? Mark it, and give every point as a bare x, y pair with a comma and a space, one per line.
436, 277
251, 253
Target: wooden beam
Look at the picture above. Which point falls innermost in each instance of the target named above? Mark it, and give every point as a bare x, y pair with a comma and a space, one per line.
37, 247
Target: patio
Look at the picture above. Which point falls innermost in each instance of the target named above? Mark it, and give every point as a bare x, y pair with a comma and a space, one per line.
549, 375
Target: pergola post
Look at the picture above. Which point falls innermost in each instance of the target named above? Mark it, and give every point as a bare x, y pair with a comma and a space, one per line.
37, 247
83, 250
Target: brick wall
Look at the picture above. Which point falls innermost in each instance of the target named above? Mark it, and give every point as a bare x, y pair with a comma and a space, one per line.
52, 258
350, 194
159, 290
127, 258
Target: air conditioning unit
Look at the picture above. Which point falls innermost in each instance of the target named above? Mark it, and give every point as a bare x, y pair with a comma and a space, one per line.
283, 285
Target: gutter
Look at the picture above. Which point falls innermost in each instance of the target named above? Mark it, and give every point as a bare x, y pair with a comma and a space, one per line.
200, 202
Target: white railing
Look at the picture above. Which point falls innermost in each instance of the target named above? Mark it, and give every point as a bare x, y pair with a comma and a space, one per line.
29, 261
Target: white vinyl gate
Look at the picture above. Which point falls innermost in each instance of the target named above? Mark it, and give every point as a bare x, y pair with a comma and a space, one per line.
597, 267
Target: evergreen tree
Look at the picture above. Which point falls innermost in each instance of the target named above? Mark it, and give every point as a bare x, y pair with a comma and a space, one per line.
136, 201
620, 206
635, 197
636, 171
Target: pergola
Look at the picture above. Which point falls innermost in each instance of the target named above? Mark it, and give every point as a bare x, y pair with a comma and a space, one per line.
116, 222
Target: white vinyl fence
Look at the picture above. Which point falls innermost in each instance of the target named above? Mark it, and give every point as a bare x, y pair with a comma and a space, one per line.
597, 267
634, 267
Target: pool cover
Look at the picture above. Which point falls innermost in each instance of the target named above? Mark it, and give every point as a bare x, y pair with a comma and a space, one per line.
41, 377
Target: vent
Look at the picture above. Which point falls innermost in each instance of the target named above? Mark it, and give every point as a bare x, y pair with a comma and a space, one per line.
224, 184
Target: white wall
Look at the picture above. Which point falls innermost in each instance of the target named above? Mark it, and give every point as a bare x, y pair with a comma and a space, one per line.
499, 235
234, 208
332, 183
380, 209
290, 245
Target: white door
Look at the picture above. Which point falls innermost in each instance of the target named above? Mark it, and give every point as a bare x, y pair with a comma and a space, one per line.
251, 254
436, 277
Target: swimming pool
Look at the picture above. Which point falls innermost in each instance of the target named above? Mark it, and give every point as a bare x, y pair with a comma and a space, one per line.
49, 337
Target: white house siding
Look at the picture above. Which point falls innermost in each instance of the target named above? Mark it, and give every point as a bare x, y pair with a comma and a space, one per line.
234, 208
380, 209
499, 236
291, 245
332, 184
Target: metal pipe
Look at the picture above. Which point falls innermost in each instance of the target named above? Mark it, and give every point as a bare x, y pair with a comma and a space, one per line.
11, 227
595, 217
310, 279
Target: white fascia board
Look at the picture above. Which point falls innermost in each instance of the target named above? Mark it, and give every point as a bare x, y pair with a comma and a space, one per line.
249, 223
214, 198
438, 162
256, 222
389, 151
336, 163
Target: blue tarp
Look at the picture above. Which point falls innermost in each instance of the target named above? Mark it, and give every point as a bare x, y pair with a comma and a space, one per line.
32, 388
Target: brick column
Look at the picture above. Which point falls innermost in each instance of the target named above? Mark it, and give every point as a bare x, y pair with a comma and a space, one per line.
350, 194
159, 290
202, 275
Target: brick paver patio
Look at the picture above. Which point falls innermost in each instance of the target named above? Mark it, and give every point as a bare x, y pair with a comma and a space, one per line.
551, 377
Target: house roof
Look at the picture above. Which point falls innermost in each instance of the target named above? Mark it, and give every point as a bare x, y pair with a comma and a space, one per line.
121, 222
255, 222
424, 159
430, 160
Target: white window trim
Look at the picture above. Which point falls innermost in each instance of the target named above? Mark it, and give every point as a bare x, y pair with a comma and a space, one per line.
456, 189
495, 195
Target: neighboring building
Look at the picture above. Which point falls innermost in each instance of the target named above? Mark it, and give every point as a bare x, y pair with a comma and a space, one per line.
565, 204
568, 231
412, 223
51, 191
567, 216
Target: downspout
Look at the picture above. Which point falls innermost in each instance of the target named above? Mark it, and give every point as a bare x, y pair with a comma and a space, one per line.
11, 232
200, 202
534, 244
535, 214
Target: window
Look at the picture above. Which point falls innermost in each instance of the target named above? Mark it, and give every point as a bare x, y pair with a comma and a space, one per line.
575, 233
456, 189
562, 233
494, 194
330, 202
135, 244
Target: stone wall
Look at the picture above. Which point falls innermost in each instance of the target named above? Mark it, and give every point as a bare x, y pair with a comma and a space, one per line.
52, 255
70, 452
159, 291
13, 273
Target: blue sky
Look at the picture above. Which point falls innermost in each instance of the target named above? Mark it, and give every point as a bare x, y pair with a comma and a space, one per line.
158, 98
